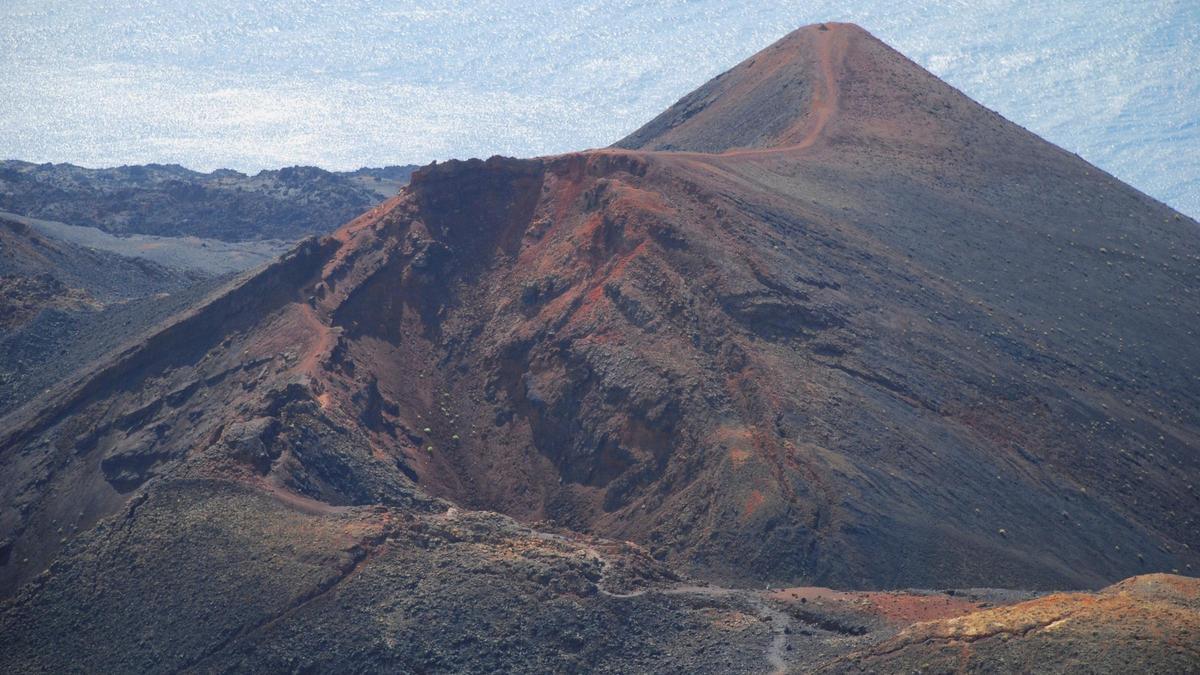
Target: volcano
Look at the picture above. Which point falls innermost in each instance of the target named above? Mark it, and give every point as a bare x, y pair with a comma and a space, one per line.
823, 322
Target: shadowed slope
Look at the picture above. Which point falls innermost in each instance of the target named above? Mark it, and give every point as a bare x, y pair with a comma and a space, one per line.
894, 342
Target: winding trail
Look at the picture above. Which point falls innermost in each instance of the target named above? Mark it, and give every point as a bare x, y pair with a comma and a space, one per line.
824, 104
320, 348
831, 45
780, 621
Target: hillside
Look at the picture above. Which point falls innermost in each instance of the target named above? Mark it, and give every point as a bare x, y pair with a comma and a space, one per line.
1143, 624
169, 200
826, 322
63, 305
26, 252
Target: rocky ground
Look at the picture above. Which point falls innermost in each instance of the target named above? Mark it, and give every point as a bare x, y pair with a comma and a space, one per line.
210, 576
636, 410
70, 292
188, 254
64, 304
29, 253
61, 338
1145, 624
168, 200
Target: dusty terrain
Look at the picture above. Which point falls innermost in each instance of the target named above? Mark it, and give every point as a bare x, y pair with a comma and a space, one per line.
1146, 624
188, 254
27, 253
65, 303
70, 293
565, 413
51, 290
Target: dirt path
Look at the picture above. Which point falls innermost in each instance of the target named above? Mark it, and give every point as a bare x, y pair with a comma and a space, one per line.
831, 50
300, 502
824, 104
779, 620
322, 345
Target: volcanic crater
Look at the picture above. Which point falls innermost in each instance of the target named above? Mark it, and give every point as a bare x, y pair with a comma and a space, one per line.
825, 321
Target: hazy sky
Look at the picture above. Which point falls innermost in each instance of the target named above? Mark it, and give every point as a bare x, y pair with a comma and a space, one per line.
250, 85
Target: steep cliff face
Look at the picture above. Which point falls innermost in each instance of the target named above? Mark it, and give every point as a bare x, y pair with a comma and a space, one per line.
847, 360
890, 340
859, 359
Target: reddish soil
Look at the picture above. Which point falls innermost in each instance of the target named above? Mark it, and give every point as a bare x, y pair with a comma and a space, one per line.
830, 46
895, 608
851, 352
848, 357
1149, 623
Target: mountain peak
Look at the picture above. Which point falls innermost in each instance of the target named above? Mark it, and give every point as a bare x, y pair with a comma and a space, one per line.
782, 96
822, 85
855, 331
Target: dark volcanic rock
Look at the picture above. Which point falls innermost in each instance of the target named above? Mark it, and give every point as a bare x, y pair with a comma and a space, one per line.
63, 305
884, 339
33, 264
212, 577
160, 199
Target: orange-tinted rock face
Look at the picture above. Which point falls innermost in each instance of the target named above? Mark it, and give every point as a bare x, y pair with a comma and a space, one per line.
883, 339
891, 340
1143, 624
848, 354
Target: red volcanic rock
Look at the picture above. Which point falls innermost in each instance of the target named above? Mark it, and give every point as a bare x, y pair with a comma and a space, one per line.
824, 321
850, 350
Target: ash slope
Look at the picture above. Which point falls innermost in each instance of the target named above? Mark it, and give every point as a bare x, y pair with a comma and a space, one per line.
65, 303
847, 349
52, 290
60, 274
68, 295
